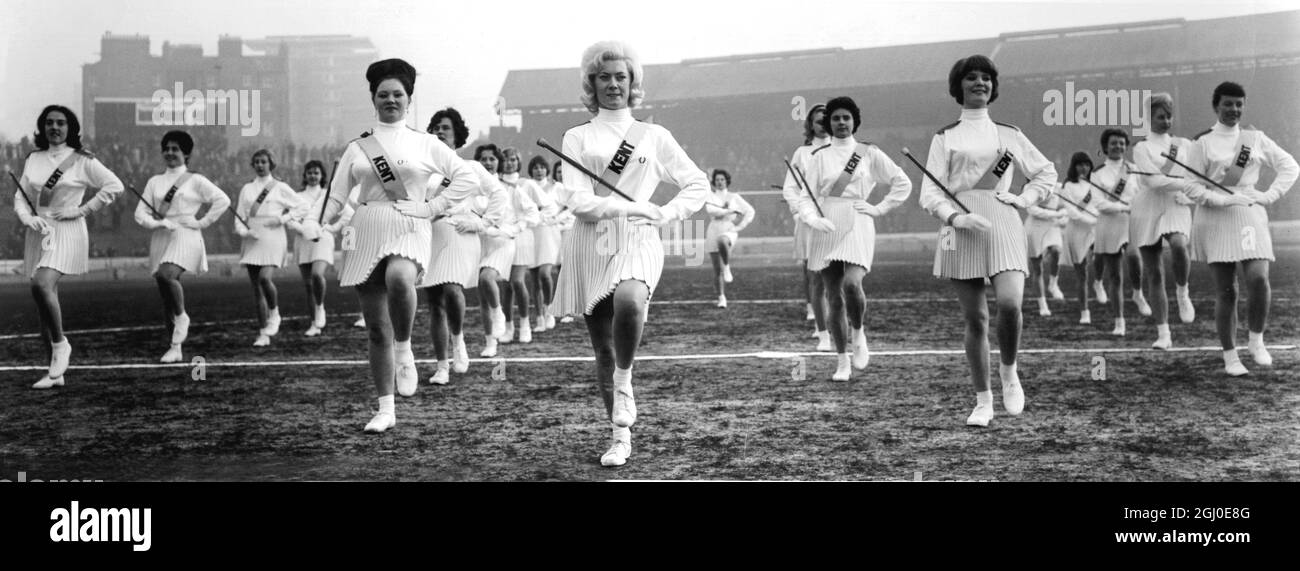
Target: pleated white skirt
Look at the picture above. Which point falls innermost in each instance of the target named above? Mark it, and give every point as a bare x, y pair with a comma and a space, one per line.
853, 241
969, 254
1112, 232
1041, 234
717, 229
65, 249
305, 251
1231, 234
183, 247
547, 243
270, 247
1077, 240
600, 255
455, 258
525, 249
498, 254
1155, 215
381, 231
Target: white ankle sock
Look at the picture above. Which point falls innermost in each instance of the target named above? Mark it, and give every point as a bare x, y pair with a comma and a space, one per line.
1162, 330
622, 378
1256, 339
1005, 371
622, 433
984, 398
444, 364
386, 404
402, 346
1230, 356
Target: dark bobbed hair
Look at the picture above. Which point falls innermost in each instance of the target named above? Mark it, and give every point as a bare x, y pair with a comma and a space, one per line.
536, 162
842, 102
1077, 159
491, 148
1113, 132
182, 140
555, 170
393, 68
458, 127
966, 65
324, 174
1228, 89
808, 122
270, 158
74, 127
722, 172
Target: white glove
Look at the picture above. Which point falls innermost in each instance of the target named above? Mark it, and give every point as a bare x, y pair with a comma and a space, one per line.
309, 229
243, 231
274, 222
414, 208
820, 224
646, 213
1180, 198
864, 207
1008, 198
1225, 200
1262, 198
34, 222
192, 223
468, 224
69, 213
972, 222
494, 232
168, 224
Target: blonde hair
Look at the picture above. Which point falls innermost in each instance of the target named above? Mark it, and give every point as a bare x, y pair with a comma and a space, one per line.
1162, 99
601, 52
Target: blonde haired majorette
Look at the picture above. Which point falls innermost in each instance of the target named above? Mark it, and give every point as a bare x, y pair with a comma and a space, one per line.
841, 246
1114, 184
457, 251
396, 166
497, 246
975, 159
168, 206
1228, 229
1080, 232
528, 213
313, 257
1162, 213
614, 257
729, 214
815, 137
48, 202
265, 206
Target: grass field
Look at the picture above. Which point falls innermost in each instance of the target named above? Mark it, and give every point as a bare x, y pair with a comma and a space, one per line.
270, 414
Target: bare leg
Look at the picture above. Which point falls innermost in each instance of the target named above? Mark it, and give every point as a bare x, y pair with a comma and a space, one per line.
488, 297
1225, 303
399, 280
453, 304
374, 307
517, 283
836, 320
1179, 254
855, 299
1155, 277
718, 286
437, 320
254, 278
1009, 288
975, 312
1258, 294
45, 290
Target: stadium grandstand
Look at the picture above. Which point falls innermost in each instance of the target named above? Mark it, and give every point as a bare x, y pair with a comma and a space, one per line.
738, 112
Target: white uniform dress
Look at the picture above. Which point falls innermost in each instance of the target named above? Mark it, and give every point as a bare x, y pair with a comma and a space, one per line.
1112, 223
792, 188
183, 246
1156, 211
456, 255
1236, 233
546, 235
960, 154
67, 247
854, 238
306, 251
527, 216
564, 221
1080, 231
606, 248
728, 213
380, 229
1041, 228
268, 244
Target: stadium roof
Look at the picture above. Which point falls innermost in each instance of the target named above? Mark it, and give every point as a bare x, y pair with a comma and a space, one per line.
1032, 53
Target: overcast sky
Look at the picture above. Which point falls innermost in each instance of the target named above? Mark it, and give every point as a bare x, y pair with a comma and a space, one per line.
463, 49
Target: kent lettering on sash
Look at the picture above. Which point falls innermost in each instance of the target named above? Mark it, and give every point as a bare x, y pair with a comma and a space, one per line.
994, 175
1118, 191
846, 176
171, 193
1169, 163
257, 204
388, 177
47, 192
622, 157
1246, 142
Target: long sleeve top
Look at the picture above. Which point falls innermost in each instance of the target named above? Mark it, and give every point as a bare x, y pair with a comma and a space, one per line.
1080, 193
1147, 159
1047, 209
314, 195
791, 191
658, 158
1107, 176
1217, 149
825, 164
727, 205
85, 172
282, 202
415, 156
189, 197
961, 153
523, 204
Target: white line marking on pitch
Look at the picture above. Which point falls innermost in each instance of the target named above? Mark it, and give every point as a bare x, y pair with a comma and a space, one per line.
757, 355
346, 316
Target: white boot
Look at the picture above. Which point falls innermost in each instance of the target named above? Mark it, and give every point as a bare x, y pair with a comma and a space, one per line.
620, 447
459, 354
843, 368
180, 328
1100, 290
1013, 395
1232, 364
1163, 339
1043, 310
983, 412
1258, 351
1186, 311
824, 341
